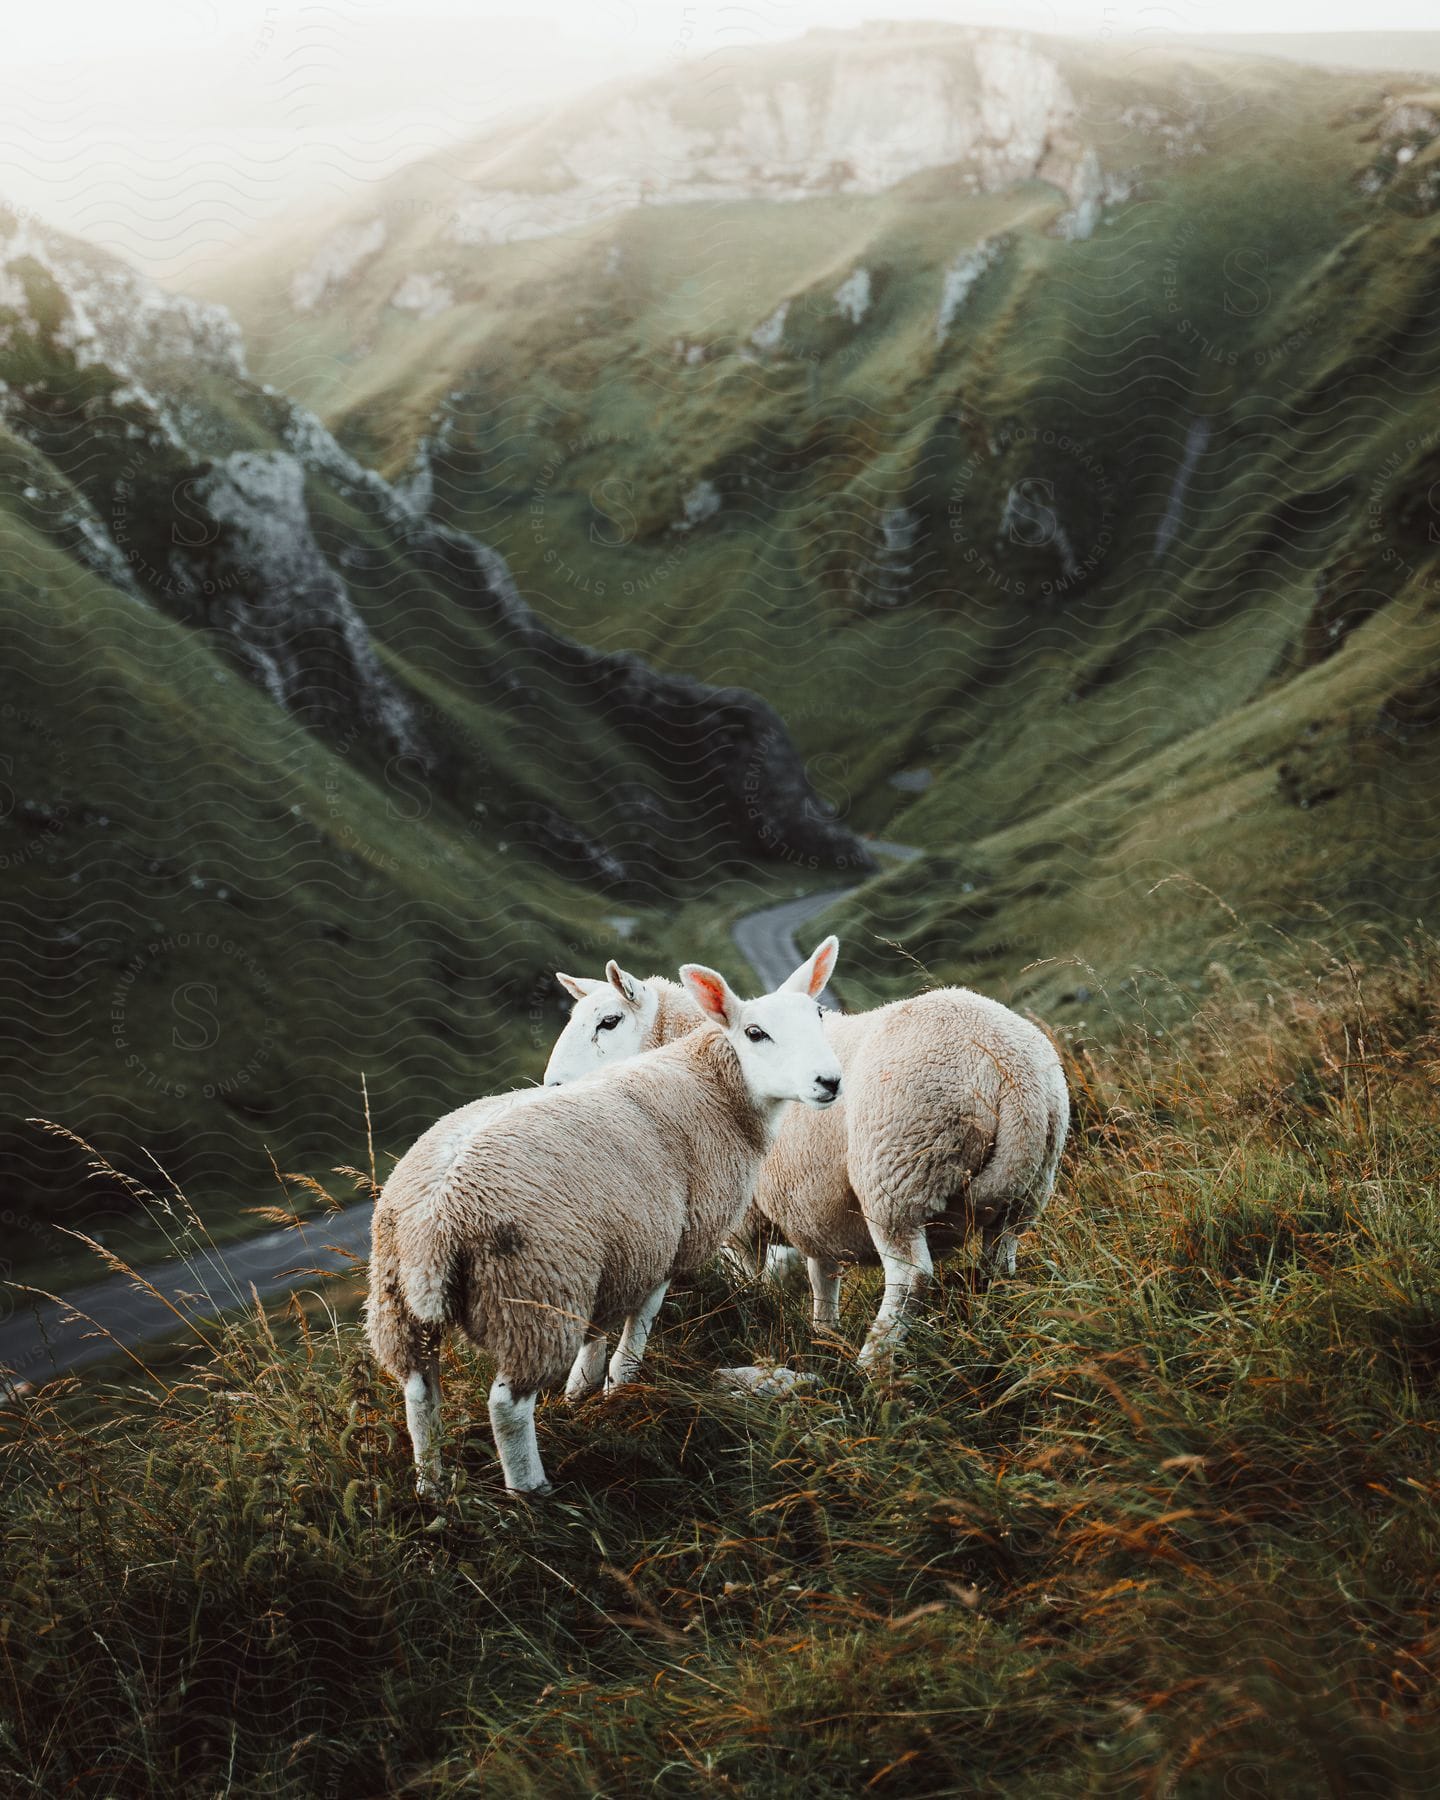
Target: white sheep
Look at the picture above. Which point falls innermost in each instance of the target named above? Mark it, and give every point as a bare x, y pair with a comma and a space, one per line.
955, 1115
642, 1015
537, 1221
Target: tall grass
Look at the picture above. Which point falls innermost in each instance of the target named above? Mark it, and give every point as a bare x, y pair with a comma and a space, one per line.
1156, 1517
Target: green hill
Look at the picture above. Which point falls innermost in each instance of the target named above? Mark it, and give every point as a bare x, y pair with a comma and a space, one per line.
296, 789
1060, 462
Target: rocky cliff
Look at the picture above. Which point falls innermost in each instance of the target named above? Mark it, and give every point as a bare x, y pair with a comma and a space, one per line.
198, 491
296, 791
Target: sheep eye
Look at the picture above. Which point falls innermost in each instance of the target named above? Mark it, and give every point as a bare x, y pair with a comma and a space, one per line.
609, 1022
756, 1035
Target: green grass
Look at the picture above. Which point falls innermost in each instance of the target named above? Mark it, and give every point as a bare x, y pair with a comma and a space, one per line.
1307, 814
218, 922
1156, 1516
1211, 715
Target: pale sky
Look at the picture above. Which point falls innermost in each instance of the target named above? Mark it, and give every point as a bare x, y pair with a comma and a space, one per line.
167, 130
66, 29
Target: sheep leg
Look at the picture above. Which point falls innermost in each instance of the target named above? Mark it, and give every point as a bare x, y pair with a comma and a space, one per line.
422, 1417
824, 1293
997, 1251
748, 1260
784, 1265
634, 1335
588, 1370
742, 1257
512, 1420
908, 1268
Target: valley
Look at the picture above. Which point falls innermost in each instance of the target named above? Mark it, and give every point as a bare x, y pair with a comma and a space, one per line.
1057, 469
303, 804
973, 491
1061, 466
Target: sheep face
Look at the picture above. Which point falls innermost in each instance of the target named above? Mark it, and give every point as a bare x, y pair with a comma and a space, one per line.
779, 1038
610, 1021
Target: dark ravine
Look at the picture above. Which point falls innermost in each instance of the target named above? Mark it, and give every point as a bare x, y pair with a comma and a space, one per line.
203, 493
720, 739
278, 744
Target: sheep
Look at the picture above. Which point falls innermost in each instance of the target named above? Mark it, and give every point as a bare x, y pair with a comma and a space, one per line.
622, 1016
538, 1221
955, 1117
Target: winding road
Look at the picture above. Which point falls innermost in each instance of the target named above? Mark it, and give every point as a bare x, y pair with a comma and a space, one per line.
43, 1338
766, 939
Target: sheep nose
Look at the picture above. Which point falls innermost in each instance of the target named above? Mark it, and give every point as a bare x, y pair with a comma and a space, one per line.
830, 1083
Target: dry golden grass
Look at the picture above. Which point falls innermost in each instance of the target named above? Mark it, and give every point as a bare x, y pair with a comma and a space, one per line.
1156, 1517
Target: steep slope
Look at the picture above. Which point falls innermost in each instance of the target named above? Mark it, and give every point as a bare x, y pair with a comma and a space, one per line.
1075, 428
295, 786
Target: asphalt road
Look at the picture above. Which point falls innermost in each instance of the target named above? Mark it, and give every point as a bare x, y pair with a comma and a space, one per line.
767, 939
40, 1339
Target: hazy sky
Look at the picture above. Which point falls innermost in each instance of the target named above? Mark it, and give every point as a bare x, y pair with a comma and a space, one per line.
167, 129
64, 29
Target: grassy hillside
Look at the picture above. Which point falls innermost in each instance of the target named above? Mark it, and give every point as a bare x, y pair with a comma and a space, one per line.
1082, 526
295, 792
1158, 1515
216, 924
1051, 439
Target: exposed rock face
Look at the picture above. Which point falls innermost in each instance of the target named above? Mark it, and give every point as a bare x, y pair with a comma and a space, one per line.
769, 334
1406, 166
1091, 191
1000, 110
890, 568
852, 297
337, 259
120, 319
699, 505
108, 316
961, 277
292, 621
425, 295
185, 504
415, 489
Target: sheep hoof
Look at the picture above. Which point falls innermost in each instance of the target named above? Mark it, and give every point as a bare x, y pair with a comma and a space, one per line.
763, 1382
536, 1493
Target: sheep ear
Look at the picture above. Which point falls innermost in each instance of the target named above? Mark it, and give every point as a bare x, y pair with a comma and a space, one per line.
712, 992
811, 976
629, 987
577, 985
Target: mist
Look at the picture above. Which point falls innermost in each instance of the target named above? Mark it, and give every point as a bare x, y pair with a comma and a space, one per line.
170, 131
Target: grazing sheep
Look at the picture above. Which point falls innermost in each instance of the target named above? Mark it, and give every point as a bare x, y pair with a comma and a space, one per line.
955, 1116
536, 1221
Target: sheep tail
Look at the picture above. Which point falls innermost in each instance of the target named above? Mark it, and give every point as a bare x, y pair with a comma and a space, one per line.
435, 1283
408, 1309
